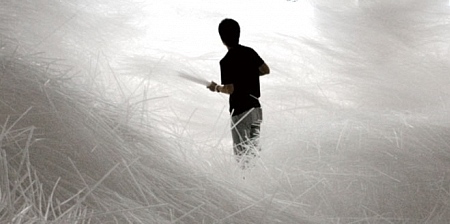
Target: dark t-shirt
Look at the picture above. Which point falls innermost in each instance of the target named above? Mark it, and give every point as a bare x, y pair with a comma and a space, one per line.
240, 67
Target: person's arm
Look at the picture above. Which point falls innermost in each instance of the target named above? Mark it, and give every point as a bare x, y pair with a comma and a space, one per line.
228, 88
264, 69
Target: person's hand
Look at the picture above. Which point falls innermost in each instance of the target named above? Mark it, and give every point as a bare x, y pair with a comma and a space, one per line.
212, 86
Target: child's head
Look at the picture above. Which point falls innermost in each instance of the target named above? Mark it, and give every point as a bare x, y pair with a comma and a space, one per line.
229, 31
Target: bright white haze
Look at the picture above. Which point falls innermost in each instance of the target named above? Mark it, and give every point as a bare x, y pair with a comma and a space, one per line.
99, 124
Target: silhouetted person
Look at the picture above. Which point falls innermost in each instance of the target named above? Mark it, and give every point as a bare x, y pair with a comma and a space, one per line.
240, 71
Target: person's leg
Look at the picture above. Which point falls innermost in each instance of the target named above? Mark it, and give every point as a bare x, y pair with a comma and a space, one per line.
240, 130
245, 133
255, 128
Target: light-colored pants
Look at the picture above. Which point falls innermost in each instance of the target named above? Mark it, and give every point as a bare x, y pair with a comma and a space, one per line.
245, 129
